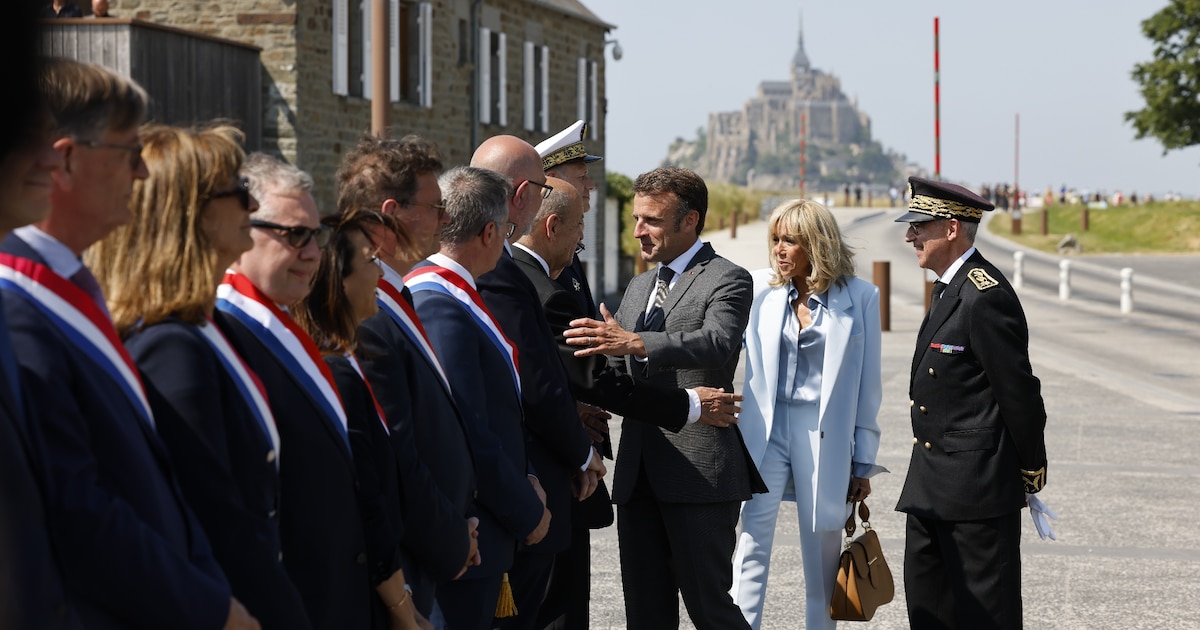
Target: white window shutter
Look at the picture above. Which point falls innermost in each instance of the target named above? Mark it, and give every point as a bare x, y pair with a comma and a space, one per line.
528, 86
595, 77
366, 48
502, 83
485, 75
581, 91
341, 47
425, 88
394, 44
545, 95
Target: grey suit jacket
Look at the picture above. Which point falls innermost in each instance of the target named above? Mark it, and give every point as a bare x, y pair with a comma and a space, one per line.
706, 314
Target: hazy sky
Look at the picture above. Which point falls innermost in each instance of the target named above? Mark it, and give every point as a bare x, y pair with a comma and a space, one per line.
1063, 65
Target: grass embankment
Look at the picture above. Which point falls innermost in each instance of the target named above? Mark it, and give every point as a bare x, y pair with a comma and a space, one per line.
1152, 228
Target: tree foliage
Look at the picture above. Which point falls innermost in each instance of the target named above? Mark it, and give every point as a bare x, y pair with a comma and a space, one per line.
1170, 83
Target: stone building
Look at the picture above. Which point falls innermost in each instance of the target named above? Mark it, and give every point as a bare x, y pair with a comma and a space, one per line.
460, 71
760, 144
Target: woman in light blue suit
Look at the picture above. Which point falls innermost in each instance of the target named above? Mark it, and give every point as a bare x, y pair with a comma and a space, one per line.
813, 389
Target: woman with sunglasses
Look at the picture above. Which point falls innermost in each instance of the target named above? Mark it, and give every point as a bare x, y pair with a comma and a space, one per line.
342, 298
160, 273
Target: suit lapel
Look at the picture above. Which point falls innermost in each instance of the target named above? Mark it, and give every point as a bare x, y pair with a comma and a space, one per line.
774, 309
839, 310
695, 267
945, 307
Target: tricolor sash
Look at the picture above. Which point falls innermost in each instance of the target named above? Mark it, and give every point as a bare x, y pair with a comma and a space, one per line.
292, 346
80, 319
247, 384
435, 278
392, 301
378, 409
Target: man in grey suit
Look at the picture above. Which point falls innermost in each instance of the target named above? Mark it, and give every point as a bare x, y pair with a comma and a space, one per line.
677, 494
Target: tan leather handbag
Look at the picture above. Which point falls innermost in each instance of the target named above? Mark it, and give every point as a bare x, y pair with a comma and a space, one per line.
864, 581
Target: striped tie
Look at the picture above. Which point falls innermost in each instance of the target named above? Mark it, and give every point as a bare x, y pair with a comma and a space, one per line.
656, 318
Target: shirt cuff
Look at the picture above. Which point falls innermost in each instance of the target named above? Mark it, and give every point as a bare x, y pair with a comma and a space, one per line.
587, 462
866, 471
693, 406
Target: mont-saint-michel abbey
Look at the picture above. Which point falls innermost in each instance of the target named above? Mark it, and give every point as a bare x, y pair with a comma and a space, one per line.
759, 146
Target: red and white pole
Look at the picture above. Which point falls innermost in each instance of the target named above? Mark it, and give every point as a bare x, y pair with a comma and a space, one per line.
937, 106
803, 151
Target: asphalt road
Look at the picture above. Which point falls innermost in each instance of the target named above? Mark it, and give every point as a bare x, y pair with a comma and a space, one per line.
1123, 397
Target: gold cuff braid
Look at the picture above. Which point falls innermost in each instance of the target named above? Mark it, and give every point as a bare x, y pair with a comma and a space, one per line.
1034, 480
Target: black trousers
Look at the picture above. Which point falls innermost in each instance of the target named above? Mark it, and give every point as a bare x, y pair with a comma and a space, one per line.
963, 574
469, 604
669, 549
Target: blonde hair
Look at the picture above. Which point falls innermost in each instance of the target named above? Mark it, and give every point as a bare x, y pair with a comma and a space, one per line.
813, 227
161, 264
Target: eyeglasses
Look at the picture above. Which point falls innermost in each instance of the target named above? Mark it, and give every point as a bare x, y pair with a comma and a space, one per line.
242, 192
546, 190
135, 150
297, 236
916, 226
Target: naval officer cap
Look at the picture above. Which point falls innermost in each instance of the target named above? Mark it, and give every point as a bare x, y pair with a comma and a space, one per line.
932, 200
565, 146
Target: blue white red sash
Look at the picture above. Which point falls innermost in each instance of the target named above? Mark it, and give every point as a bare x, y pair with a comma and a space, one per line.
392, 301
435, 278
287, 341
247, 383
74, 313
378, 409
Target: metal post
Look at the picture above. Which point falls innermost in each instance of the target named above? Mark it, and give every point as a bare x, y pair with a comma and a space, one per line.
1127, 290
883, 280
937, 107
1064, 279
1018, 270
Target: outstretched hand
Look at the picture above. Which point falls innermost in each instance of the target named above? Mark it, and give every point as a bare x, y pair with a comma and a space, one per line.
603, 337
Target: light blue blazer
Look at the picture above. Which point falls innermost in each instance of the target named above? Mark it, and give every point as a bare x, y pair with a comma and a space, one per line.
851, 388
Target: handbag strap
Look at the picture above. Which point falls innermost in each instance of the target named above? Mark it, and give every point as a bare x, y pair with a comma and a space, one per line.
864, 514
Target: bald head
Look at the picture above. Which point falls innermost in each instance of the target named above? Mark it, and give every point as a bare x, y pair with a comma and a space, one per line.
519, 161
558, 227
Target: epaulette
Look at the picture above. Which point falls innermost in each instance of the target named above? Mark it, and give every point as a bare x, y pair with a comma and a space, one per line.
981, 279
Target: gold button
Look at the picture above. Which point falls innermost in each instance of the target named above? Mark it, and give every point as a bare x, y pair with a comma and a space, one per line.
281, 556
911, 403
928, 446
914, 441
923, 409
931, 372
270, 456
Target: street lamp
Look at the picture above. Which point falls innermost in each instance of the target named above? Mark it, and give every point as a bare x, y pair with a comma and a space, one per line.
617, 53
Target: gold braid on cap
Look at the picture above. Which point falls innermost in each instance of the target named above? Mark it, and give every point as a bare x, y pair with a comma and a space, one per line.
562, 156
944, 208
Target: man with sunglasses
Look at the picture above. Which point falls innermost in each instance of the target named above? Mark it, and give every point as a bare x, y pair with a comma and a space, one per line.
321, 529
568, 466
132, 553
978, 421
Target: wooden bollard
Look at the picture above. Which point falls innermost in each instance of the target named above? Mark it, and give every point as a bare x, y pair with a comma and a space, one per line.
928, 293
1016, 222
883, 280
1045, 221
1083, 219
733, 225
720, 223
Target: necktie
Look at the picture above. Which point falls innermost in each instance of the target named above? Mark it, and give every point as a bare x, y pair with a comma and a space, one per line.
86, 281
656, 317
938, 288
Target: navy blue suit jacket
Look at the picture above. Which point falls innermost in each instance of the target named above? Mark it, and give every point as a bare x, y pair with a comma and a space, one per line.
574, 281
324, 550
225, 465
133, 554
486, 395
31, 586
437, 472
558, 443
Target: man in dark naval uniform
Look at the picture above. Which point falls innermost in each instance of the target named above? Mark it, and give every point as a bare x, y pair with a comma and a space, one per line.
978, 422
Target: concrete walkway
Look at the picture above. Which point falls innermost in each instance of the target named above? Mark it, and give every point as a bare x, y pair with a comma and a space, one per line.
1123, 397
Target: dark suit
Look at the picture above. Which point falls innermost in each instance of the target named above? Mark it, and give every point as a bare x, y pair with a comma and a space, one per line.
31, 584
437, 474
573, 280
978, 421
225, 464
132, 553
678, 494
491, 408
321, 532
378, 482
566, 605
558, 445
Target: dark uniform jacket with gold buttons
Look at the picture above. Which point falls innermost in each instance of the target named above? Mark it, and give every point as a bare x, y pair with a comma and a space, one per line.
977, 411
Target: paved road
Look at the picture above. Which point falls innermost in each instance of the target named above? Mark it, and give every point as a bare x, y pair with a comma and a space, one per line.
1123, 397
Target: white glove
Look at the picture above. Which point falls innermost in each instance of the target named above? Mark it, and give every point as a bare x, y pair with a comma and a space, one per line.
1040, 511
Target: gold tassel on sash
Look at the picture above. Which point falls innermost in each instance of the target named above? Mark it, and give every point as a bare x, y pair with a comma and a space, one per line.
505, 606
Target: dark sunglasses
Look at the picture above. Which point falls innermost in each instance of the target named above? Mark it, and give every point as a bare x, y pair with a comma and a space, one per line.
297, 236
241, 191
135, 150
546, 190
